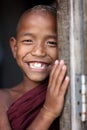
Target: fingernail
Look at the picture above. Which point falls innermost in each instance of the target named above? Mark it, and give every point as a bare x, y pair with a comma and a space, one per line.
64, 67
56, 62
67, 78
62, 62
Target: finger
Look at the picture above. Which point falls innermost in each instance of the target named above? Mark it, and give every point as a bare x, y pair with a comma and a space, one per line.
64, 86
60, 78
52, 72
57, 73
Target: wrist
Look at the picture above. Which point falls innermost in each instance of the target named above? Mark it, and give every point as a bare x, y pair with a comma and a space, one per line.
48, 114
43, 121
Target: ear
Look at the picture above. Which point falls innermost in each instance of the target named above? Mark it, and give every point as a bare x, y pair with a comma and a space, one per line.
13, 45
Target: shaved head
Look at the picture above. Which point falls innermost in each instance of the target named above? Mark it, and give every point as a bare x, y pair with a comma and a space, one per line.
38, 9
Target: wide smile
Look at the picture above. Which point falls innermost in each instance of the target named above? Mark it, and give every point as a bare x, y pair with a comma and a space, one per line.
39, 66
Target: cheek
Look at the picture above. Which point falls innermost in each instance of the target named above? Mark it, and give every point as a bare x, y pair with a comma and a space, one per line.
53, 53
22, 51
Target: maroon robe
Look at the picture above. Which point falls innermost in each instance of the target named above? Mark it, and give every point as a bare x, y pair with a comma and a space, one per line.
24, 110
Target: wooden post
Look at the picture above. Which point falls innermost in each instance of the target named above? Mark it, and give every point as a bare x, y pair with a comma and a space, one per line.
64, 53
85, 30
72, 38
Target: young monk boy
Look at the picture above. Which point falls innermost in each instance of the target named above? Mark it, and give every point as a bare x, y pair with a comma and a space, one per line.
37, 101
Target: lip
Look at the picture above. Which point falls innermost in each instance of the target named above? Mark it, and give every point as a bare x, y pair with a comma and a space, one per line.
39, 66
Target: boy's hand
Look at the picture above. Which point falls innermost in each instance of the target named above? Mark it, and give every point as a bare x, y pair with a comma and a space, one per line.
57, 87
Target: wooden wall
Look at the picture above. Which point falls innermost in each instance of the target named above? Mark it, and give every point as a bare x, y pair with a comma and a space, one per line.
64, 53
72, 38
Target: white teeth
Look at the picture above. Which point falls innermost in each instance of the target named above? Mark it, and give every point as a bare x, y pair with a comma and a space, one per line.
37, 65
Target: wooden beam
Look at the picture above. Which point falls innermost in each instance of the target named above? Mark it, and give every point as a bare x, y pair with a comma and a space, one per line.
64, 53
72, 38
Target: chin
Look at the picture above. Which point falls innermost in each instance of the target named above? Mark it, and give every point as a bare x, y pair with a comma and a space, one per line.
38, 78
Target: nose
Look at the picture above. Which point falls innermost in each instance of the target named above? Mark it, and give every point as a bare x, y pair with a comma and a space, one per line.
38, 50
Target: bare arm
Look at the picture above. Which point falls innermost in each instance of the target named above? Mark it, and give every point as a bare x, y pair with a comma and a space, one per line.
53, 105
4, 123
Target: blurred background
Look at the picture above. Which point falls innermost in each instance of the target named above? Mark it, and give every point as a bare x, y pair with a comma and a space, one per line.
10, 11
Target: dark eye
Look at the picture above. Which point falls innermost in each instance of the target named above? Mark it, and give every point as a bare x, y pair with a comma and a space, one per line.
52, 43
27, 41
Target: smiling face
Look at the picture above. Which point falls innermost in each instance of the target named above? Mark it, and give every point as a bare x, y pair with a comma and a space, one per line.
35, 47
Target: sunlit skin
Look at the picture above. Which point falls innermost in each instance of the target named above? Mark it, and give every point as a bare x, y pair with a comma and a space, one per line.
35, 49
36, 43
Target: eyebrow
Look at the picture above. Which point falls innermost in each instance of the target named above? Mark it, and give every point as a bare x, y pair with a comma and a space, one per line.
54, 36
26, 34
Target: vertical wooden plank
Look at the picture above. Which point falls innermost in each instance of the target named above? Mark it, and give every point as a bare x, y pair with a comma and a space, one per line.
85, 30
64, 53
77, 58
85, 40
72, 38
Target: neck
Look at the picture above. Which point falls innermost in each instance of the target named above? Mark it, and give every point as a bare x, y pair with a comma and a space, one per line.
29, 84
